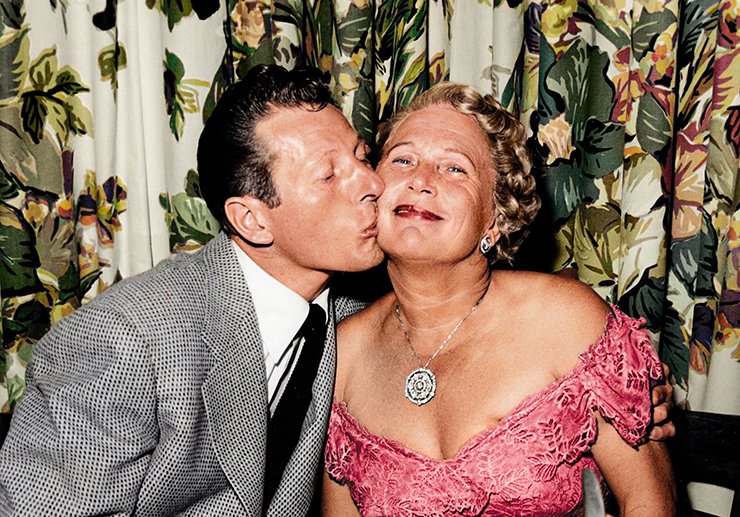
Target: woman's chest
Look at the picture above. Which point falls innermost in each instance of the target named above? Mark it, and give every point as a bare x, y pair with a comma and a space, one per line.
529, 464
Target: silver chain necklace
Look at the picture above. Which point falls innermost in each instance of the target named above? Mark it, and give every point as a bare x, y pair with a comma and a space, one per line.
421, 384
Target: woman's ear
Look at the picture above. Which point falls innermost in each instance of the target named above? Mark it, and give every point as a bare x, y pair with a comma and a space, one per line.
493, 232
248, 216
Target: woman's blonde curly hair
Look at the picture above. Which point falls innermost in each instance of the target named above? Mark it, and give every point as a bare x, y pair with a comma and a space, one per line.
514, 195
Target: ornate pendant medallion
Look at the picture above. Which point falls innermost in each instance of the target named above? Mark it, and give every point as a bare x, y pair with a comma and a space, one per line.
421, 386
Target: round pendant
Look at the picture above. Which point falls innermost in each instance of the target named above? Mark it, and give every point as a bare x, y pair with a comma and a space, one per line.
420, 386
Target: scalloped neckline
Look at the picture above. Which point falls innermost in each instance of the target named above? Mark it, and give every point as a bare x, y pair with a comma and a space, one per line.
488, 432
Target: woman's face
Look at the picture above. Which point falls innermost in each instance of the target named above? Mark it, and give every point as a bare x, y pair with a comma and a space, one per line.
439, 181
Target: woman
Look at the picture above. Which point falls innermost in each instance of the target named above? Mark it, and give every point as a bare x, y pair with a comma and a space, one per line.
472, 391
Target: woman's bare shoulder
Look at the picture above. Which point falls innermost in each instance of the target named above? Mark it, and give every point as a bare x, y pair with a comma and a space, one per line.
358, 328
355, 335
569, 312
554, 295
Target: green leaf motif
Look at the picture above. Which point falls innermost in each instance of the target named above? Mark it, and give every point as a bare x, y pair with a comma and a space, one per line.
550, 104
413, 82
13, 60
448, 10
173, 74
12, 14
174, 10
579, 79
18, 256
189, 220
512, 92
601, 148
87, 281
164, 202
352, 31
10, 186
33, 114
33, 317
16, 389
653, 125
69, 284
180, 94
673, 348
218, 85
177, 121
695, 260
111, 60
721, 164
567, 188
605, 29
53, 99
43, 68
79, 118
192, 185
262, 55
320, 29
398, 26
68, 82
363, 110
648, 28
596, 243
174, 65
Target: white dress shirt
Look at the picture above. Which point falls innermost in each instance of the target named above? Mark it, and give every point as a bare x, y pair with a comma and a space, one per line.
280, 314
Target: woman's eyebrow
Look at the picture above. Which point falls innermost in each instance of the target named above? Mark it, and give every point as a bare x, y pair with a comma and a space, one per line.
399, 144
458, 152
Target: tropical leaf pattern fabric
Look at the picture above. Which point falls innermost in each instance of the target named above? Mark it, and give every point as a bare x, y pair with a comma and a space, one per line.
632, 109
96, 153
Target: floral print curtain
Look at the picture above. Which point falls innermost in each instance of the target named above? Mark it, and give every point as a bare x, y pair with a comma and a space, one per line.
632, 107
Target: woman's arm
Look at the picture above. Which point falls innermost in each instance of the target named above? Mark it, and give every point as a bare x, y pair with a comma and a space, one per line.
641, 477
336, 500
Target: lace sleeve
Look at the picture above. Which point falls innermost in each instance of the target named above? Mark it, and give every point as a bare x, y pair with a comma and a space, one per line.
338, 451
621, 368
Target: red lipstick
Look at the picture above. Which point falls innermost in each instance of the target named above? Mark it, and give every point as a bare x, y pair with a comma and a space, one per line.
416, 212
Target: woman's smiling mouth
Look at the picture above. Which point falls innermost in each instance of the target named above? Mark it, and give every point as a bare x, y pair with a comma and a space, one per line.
415, 212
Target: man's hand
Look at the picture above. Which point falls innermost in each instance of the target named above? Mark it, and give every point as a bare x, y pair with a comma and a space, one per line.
662, 397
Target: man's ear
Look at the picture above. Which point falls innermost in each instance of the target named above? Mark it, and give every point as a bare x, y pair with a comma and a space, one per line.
249, 217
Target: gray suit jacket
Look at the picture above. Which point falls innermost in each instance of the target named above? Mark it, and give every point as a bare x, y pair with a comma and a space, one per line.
152, 400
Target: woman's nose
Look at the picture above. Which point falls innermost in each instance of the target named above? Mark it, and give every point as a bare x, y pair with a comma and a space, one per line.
422, 179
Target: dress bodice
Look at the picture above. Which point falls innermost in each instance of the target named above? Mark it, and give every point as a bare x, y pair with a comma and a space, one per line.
528, 464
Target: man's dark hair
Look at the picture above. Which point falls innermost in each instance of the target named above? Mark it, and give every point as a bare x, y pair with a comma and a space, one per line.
232, 161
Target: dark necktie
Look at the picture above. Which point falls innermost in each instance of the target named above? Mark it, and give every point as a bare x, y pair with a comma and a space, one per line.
285, 425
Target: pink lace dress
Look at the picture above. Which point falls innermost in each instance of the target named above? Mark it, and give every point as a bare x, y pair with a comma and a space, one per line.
528, 464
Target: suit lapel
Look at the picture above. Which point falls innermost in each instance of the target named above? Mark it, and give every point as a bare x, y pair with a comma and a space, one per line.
235, 392
297, 486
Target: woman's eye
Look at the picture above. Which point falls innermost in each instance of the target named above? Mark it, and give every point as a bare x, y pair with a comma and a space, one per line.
402, 161
456, 169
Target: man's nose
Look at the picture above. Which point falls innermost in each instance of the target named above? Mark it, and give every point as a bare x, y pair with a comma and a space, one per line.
372, 185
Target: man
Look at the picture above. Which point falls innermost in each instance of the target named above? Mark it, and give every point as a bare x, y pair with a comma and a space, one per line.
157, 398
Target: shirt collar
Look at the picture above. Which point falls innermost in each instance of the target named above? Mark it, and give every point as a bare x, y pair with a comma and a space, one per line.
280, 310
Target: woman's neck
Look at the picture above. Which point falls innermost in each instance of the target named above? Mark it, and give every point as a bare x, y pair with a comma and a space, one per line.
433, 299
